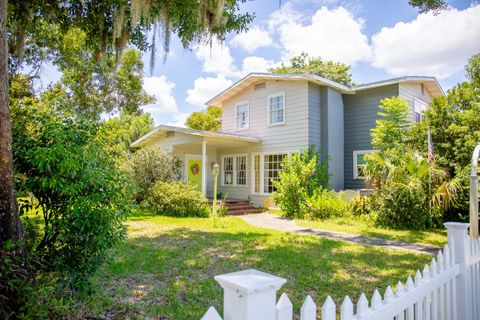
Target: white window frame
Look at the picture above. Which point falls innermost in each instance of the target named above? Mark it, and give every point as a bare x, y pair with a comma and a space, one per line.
262, 170
423, 106
282, 94
355, 162
234, 156
236, 115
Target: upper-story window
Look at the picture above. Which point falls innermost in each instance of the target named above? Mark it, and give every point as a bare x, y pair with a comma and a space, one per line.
276, 109
241, 116
419, 107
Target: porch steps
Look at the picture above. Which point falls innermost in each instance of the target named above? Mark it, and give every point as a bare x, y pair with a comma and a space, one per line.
237, 207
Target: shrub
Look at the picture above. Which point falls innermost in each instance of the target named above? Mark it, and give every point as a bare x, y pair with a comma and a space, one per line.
77, 189
302, 176
362, 206
326, 204
176, 199
151, 165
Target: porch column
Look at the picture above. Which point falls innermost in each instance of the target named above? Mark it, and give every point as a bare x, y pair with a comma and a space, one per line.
204, 167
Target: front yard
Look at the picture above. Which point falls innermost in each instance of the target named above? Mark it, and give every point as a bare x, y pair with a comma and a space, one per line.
165, 269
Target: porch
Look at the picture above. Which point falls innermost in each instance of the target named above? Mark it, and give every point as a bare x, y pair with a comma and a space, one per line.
197, 149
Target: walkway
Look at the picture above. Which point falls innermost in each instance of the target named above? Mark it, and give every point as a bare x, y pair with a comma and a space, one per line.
272, 221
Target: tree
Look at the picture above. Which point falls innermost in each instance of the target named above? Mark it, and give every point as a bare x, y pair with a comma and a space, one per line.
208, 120
335, 71
428, 5
109, 26
455, 130
390, 131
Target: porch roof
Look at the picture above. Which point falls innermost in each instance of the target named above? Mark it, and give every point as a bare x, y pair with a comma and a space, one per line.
219, 137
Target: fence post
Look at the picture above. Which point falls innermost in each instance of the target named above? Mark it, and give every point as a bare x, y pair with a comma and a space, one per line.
459, 243
249, 294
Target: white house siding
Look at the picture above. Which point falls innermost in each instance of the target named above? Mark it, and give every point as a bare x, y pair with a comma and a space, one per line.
292, 136
409, 91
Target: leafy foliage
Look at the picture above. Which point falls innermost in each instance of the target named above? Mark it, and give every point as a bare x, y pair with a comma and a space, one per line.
413, 194
326, 204
335, 71
428, 5
207, 120
176, 199
149, 166
82, 195
302, 177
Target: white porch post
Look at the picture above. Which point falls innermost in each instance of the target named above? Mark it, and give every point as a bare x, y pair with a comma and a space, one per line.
204, 167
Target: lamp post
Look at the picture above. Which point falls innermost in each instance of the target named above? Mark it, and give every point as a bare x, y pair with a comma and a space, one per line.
216, 171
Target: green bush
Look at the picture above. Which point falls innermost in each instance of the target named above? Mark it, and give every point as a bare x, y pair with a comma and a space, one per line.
362, 206
148, 166
76, 188
404, 209
176, 199
302, 176
326, 204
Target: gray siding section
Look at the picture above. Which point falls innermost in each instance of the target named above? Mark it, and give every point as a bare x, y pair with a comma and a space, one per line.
361, 112
314, 102
336, 139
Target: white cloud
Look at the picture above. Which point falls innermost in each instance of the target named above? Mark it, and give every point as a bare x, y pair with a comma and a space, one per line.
253, 39
179, 119
256, 64
161, 88
205, 89
431, 44
331, 34
216, 58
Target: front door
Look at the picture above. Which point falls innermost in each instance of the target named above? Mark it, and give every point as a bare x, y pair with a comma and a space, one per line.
194, 171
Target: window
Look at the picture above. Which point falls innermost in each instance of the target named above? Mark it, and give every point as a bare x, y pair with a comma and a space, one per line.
241, 116
241, 170
419, 107
234, 170
228, 170
359, 163
276, 109
266, 169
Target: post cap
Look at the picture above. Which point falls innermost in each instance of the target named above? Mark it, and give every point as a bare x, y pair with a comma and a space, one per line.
456, 225
250, 281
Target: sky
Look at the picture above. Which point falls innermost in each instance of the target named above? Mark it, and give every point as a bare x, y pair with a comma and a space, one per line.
380, 39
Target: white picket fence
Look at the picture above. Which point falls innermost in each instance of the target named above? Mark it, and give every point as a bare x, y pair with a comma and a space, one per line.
448, 288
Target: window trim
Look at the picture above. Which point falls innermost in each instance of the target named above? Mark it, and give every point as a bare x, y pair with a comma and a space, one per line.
248, 115
262, 170
355, 162
282, 94
422, 103
222, 171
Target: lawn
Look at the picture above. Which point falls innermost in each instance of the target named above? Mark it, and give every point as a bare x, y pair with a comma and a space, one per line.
165, 269
437, 238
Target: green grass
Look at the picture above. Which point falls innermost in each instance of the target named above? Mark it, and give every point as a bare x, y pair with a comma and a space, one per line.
165, 268
437, 238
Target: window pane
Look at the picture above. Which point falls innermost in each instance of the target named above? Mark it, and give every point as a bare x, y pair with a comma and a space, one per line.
242, 116
228, 170
272, 166
241, 170
276, 110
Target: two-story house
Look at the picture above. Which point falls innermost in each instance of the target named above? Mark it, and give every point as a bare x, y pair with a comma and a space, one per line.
268, 116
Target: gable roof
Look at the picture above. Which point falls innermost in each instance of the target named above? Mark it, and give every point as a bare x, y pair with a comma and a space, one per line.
256, 77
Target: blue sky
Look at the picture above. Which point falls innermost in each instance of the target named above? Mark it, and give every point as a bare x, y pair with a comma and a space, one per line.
380, 38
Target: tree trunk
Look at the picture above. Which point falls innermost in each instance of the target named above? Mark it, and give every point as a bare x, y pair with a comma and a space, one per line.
10, 227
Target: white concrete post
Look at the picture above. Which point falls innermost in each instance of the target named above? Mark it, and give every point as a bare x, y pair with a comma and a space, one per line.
204, 167
459, 243
249, 295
